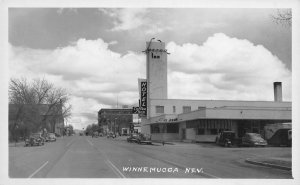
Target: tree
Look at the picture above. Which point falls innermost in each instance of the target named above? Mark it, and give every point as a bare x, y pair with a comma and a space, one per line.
90, 129
283, 17
35, 105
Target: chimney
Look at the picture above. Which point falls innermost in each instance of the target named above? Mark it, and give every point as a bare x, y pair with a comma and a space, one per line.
277, 92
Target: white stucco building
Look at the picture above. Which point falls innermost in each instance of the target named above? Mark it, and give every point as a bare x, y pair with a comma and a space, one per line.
201, 120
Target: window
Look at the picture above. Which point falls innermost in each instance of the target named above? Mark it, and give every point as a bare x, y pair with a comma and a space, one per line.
159, 109
174, 109
213, 131
154, 56
154, 129
186, 109
201, 131
172, 128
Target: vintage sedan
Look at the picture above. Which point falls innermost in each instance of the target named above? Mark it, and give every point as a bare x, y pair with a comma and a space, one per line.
226, 138
51, 137
111, 135
140, 138
133, 138
35, 139
95, 134
253, 139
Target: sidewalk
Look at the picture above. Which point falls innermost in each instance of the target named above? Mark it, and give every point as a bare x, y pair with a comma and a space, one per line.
276, 162
18, 144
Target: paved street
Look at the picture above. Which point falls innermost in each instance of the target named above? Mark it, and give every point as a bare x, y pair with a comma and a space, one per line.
87, 157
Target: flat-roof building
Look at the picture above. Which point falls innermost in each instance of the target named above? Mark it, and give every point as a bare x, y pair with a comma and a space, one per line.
200, 120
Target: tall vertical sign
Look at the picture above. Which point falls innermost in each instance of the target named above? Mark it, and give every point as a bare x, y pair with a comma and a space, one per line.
143, 105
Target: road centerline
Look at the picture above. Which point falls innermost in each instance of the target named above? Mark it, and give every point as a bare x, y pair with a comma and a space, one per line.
90, 142
108, 162
36, 171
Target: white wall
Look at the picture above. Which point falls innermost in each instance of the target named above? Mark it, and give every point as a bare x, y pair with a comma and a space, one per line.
169, 103
190, 133
157, 72
165, 137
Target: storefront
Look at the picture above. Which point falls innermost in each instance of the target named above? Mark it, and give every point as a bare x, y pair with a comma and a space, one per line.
205, 124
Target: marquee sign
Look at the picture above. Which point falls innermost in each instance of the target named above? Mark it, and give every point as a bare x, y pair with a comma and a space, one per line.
165, 120
157, 50
143, 105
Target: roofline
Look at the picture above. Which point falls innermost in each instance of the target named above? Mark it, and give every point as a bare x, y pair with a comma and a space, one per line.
226, 100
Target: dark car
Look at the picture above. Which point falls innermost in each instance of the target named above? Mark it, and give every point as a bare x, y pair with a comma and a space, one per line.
253, 139
35, 139
111, 135
133, 138
140, 139
95, 134
226, 138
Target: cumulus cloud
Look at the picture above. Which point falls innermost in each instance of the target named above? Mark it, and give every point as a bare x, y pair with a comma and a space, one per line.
225, 68
96, 77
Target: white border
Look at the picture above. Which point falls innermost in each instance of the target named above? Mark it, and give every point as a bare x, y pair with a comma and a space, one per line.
5, 4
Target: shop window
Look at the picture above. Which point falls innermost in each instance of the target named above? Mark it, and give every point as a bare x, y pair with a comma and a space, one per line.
172, 128
186, 109
201, 131
154, 129
159, 109
213, 131
174, 109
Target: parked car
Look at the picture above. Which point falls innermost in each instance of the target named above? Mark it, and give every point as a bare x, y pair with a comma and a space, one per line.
34, 139
226, 138
95, 134
140, 138
111, 135
51, 137
133, 138
253, 139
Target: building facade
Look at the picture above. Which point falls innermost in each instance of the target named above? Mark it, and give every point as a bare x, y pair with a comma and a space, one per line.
115, 120
202, 120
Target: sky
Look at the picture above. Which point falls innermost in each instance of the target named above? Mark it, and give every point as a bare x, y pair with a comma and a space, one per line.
96, 53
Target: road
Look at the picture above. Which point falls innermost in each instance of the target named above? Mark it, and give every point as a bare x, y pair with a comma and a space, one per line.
87, 157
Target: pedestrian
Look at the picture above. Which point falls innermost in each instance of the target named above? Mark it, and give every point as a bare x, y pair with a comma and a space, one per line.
163, 143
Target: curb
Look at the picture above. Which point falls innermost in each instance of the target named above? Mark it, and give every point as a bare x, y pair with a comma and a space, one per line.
268, 165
